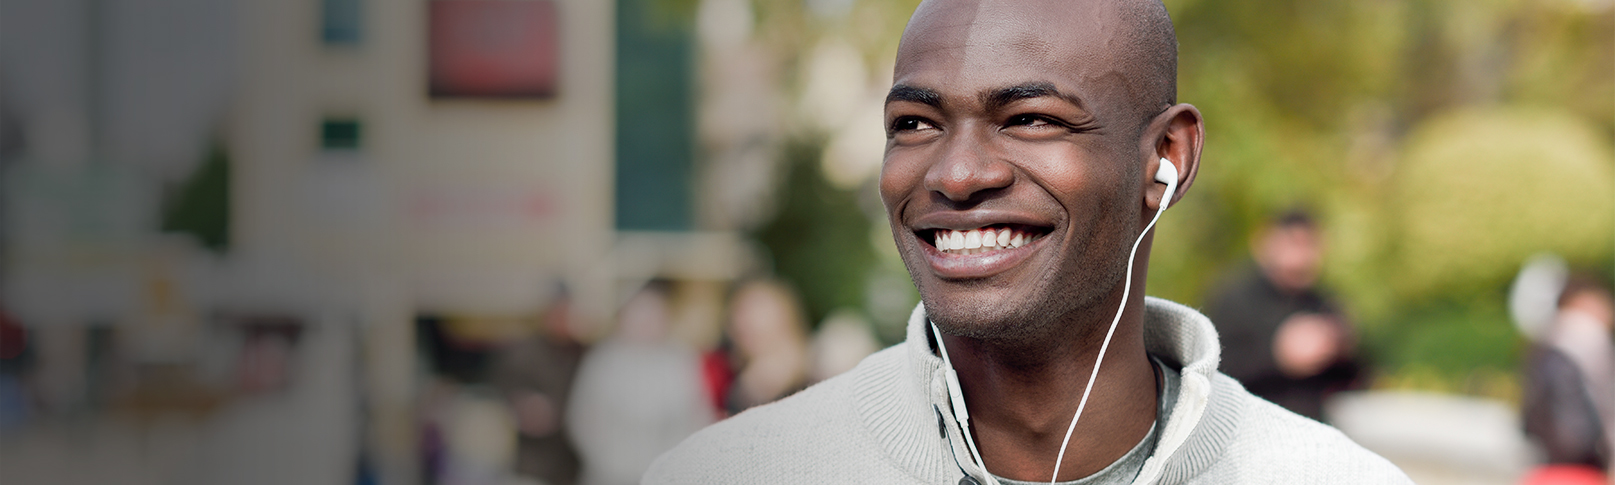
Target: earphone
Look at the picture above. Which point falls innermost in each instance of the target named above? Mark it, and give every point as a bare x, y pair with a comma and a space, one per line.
1167, 174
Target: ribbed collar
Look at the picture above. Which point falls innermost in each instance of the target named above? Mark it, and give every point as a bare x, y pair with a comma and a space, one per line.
899, 400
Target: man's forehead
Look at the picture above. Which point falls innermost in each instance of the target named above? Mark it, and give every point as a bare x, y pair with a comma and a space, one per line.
1012, 41
1078, 24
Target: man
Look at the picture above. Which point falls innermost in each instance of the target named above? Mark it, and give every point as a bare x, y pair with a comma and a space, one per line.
1283, 338
1044, 121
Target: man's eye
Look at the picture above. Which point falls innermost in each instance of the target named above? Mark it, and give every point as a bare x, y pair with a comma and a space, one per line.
911, 124
1027, 120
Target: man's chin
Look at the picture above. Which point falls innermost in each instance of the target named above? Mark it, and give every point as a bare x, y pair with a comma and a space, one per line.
978, 320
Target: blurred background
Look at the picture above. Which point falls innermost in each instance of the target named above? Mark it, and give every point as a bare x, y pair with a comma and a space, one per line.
540, 241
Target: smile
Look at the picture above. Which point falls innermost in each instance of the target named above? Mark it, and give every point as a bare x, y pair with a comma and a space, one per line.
982, 240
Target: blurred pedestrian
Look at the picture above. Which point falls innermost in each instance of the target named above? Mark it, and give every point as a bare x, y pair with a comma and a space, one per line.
842, 341
1569, 395
1283, 337
16, 359
535, 374
637, 394
770, 344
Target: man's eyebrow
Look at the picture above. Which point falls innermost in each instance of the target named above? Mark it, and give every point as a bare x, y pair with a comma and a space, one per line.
904, 92
998, 98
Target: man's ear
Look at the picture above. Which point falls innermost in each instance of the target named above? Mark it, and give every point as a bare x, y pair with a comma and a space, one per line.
1177, 135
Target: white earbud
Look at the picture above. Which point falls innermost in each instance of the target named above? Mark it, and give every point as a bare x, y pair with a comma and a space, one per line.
1167, 174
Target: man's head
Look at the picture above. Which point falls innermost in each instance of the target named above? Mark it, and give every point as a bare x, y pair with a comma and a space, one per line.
1290, 252
1039, 124
1585, 301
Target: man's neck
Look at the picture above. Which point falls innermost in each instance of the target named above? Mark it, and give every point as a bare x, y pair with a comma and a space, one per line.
1021, 400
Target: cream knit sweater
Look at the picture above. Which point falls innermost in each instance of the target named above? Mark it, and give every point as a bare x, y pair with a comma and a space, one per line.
877, 424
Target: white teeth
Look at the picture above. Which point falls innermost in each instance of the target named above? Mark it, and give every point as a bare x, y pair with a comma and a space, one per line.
980, 240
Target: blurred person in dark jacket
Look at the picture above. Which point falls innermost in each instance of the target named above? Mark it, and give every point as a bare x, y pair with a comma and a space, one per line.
1284, 338
1570, 380
535, 375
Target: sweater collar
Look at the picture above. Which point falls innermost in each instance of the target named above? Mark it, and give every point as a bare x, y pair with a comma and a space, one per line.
901, 406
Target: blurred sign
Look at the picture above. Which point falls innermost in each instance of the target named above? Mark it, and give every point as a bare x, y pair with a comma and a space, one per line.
493, 48
482, 207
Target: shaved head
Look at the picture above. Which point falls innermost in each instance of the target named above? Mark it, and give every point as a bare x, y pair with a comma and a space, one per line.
1152, 50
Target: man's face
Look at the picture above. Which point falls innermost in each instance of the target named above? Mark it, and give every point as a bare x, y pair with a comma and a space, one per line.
1015, 124
1292, 256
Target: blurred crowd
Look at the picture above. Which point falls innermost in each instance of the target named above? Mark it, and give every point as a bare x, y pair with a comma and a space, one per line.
599, 411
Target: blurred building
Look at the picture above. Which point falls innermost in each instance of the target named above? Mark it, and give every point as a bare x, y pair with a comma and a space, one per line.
193, 188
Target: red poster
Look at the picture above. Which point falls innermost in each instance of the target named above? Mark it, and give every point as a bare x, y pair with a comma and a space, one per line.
493, 48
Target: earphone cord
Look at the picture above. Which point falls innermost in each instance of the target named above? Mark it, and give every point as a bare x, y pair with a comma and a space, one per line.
1126, 288
960, 415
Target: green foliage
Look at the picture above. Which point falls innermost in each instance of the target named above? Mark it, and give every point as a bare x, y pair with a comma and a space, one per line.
1452, 345
200, 206
820, 238
1481, 190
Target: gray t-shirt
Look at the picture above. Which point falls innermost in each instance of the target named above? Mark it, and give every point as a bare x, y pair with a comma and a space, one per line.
1126, 468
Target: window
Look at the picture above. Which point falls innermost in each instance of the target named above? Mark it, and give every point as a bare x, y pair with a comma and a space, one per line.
340, 22
340, 134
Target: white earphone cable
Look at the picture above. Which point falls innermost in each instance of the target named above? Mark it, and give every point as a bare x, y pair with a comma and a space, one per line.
1126, 288
961, 414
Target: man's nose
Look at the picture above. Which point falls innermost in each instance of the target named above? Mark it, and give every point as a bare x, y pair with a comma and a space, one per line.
967, 168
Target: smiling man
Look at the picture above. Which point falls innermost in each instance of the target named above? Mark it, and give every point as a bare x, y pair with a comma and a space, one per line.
1023, 174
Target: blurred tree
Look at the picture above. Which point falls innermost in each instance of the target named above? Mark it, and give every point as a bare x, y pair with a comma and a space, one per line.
1482, 190
200, 206
820, 239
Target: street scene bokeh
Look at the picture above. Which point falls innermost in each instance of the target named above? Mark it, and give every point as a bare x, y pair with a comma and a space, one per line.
542, 241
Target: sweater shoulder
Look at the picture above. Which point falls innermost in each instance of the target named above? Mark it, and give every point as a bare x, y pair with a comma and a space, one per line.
1274, 445
809, 435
